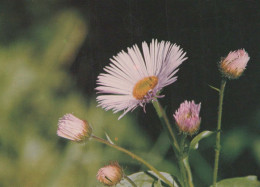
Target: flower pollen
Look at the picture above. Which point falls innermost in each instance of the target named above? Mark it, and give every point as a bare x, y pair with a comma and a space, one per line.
143, 86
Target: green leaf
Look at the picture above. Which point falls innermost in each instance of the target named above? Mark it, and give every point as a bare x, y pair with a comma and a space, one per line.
109, 139
195, 141
214, 88
147, 178
239, 182
160, 183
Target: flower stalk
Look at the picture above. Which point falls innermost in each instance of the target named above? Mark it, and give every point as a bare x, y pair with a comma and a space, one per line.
164, 119
181, 159
187, 168
179, 149
184, 161
218, 147
134, 156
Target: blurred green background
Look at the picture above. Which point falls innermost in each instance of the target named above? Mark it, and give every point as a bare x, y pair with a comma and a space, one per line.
52, 51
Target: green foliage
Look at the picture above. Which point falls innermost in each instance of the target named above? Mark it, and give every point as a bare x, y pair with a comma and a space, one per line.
31, 82
147, 178
239, 182
35, 92
194, 144
36, 89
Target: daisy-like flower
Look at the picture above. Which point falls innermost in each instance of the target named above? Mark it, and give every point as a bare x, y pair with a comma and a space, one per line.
234, 64
135, 78
111, 174
73, 128
187, 117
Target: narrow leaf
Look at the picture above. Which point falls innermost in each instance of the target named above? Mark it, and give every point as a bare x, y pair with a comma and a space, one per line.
109, 139
195, 141
214, 88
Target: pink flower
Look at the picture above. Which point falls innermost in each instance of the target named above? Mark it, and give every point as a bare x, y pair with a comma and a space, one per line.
234, 64
111, 174
187, 117
73, 128
136, 77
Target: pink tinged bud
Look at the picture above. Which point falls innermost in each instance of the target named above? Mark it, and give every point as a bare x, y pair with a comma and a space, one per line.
187, 117
110, 175
234, 64
73, 128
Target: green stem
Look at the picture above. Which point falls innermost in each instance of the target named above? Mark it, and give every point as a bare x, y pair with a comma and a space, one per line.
130, 181
179, 150
181, 163
183, 173
134, 157
184, 159
182, 144
218, 147
165, 120
187, 167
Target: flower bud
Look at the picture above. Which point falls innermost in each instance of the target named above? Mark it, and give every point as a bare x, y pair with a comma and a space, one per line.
234, 64
111, 174
187, 117
73, 128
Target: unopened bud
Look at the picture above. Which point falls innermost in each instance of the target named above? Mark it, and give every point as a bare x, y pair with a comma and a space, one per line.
111, 174
187, 117
73, 128
234, 64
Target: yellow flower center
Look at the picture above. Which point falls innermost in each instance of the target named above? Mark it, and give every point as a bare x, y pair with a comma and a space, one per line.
189, 114
230, 71
142, 87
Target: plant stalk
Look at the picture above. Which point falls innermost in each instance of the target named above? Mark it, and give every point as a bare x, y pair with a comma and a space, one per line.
163, 117
134, 156
181, 164
218, 147
179, 150
189, 174
183, 173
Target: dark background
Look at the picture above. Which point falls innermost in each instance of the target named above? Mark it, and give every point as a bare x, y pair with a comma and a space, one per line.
206, 30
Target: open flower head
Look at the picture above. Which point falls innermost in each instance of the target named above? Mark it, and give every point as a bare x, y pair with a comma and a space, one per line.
135, 77
234, 64
187, 117
73, 128
111, 174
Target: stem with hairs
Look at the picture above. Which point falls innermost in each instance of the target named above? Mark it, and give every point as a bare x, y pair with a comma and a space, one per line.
165, 121
218, 147
178, 149
134, 156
